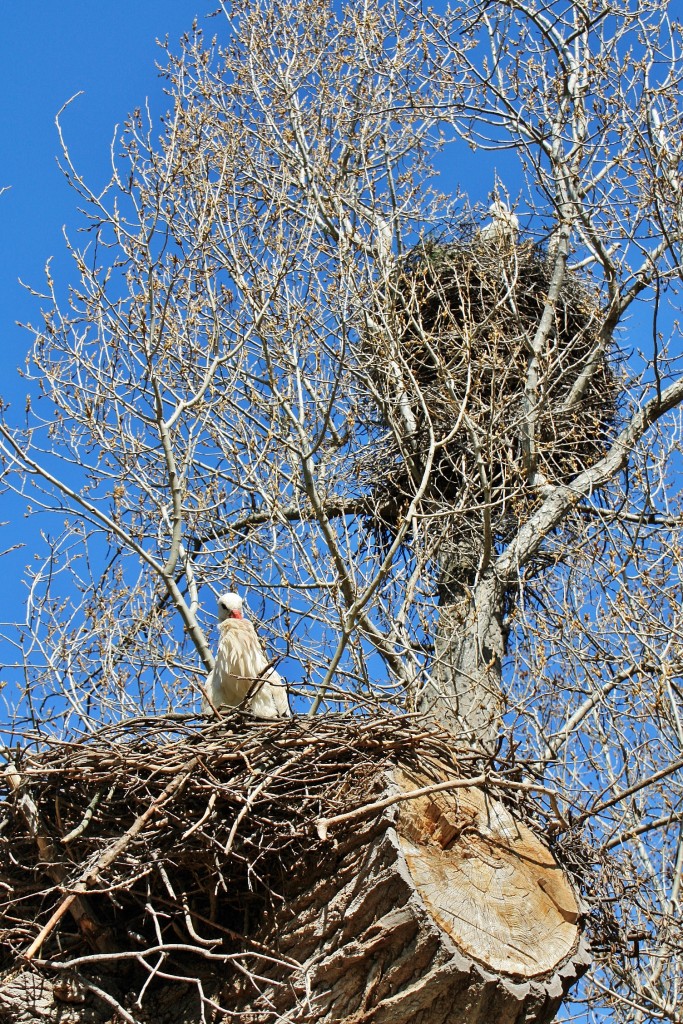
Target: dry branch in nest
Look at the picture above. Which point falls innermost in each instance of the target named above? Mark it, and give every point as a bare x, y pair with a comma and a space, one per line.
456, 349
319, 868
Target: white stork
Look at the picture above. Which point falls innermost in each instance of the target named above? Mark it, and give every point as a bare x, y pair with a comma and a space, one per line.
242, 677
504, 226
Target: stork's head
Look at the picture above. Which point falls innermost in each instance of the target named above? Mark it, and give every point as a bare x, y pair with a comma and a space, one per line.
229, 607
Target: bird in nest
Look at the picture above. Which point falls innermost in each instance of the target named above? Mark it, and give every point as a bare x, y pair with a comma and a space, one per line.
504, 226
242, 676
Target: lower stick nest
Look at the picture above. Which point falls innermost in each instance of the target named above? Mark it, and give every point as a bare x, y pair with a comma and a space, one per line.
175, 837
227, 805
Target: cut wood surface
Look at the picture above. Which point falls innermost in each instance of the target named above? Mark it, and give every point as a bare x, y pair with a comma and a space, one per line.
487, 880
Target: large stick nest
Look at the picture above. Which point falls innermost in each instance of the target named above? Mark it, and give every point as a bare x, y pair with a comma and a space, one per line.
453, 343
180, 836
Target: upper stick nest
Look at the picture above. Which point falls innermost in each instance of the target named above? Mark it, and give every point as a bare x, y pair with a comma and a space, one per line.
453, 348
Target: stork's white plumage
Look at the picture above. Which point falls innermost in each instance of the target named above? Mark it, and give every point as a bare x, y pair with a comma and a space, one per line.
504, 226
241, 676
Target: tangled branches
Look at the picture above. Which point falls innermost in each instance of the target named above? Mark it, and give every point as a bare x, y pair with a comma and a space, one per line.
165, 844
503, 363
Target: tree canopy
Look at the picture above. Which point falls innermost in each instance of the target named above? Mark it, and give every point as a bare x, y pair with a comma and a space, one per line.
289, 363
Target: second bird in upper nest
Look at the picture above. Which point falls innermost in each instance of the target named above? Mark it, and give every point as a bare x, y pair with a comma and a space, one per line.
504, 226
242, 676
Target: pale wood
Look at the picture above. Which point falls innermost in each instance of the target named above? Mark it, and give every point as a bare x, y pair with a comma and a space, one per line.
487, 880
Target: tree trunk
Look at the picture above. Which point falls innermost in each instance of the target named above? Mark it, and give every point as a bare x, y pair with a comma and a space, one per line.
464, 693
71, 998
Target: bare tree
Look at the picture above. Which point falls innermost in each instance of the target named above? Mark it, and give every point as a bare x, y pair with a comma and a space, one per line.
437, 449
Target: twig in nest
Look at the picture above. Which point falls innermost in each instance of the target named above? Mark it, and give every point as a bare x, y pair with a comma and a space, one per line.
90, 876
205, 816
87, 817
82, 912
251, 799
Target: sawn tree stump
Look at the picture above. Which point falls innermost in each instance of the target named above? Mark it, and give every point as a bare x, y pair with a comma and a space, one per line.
440, 910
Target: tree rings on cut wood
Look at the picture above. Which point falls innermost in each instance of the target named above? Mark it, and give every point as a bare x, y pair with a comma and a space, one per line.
487, 880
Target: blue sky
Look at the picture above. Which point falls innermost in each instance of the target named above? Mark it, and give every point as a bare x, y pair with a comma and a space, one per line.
50, 52
107, 51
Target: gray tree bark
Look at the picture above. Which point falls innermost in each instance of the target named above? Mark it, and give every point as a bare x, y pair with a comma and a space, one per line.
464, 693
